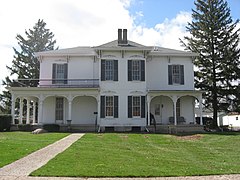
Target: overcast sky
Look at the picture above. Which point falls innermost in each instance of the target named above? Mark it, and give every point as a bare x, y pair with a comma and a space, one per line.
94, 22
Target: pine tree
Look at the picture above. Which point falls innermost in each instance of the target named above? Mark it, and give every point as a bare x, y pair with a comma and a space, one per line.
25, 65
215, 38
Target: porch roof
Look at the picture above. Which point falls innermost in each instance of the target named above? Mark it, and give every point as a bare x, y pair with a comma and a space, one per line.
175, 92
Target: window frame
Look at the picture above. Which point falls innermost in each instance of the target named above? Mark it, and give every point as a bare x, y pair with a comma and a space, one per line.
136, 70
107, 106
176, 74
141, 104
139, 73
56, 79
109, 70
136, 106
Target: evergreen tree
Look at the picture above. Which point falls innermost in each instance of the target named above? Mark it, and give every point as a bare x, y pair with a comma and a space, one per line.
215, 38
25, 65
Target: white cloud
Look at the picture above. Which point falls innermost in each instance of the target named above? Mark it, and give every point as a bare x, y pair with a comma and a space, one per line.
82, 23
165, 34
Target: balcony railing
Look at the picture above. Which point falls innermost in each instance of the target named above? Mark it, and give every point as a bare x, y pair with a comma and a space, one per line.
57, 83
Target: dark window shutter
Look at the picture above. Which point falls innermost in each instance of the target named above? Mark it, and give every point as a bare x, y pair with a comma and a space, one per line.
129, 70
65, 73
103, 62
53, 74
115, 106
115, 70
143, 106
102, 112
182, 73
142, 70
129, 106
170, 74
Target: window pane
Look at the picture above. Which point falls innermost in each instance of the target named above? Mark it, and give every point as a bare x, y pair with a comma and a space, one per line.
136, 105
176, 74
109, 70
60, 73
109, 106
136, 70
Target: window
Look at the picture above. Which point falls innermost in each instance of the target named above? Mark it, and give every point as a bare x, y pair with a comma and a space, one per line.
109, 106
109, 70
59, 108
136, 70
59, 73
136, 106
175, 74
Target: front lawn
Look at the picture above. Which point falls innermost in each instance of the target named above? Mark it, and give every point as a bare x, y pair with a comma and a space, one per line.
147, 155
15, 145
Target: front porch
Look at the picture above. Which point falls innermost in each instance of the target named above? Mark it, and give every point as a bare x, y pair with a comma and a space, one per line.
173, 107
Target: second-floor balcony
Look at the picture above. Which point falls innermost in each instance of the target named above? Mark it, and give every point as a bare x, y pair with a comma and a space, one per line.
57, 83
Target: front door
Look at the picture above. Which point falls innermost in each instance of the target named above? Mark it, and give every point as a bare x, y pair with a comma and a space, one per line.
158, 113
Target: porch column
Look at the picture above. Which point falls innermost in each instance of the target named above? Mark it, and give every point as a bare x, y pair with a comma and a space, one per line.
28, 112
98, 110
34, 112
69, 109
200, 108
13, 109
148, 110
40, 111
148, 114
21, 111
174, 109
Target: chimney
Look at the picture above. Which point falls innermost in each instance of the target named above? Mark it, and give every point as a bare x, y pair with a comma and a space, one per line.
120, 36
125, 41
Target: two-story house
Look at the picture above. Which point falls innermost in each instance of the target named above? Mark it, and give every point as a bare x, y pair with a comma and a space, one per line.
119, 85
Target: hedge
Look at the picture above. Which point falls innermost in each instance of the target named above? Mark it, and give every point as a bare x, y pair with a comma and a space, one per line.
51, 127
5, 122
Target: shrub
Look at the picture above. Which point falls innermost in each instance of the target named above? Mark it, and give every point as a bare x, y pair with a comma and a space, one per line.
24, 127
51, 127
5, 122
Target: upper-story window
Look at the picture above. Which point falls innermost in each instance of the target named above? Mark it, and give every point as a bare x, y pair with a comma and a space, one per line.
175, 74
59, 73
109, 70
136, 70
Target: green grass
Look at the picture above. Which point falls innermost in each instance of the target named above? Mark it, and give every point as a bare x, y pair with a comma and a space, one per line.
147, 155
15, 145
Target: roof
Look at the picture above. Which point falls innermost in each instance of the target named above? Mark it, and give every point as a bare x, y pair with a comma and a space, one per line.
75, 51
160, 51
113, 46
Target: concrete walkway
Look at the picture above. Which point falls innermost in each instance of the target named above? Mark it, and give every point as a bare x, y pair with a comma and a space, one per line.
23, 167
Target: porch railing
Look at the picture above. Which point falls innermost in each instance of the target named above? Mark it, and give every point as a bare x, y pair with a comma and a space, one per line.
61, 83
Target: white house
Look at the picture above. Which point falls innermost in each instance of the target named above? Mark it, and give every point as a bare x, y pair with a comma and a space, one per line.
232, 121
113, 85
